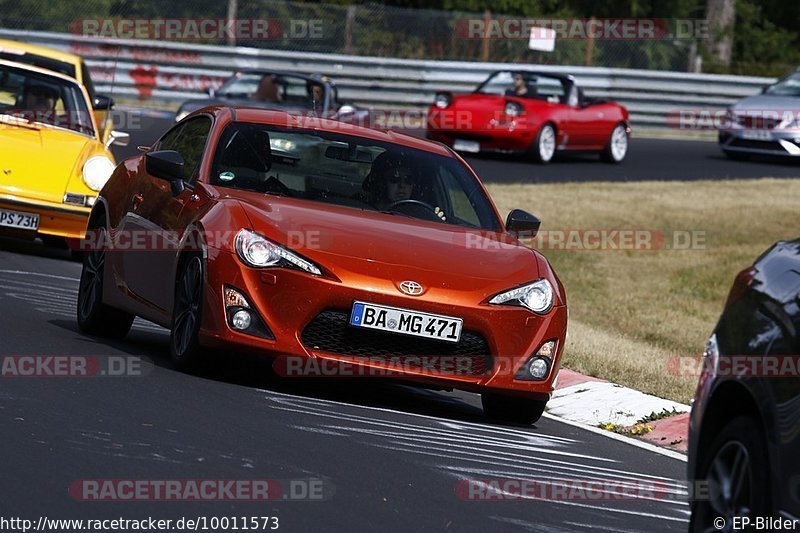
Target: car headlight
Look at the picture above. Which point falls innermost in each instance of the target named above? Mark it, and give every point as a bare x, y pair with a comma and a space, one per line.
259, 252
536, 296
442, 100
96, 172
512, 109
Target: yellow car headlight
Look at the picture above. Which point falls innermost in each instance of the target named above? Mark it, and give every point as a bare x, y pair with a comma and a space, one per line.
96, 172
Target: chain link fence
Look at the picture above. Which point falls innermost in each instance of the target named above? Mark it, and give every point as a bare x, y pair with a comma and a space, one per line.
363, 29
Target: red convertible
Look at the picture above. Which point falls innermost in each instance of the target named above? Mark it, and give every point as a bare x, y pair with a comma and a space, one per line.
529, 112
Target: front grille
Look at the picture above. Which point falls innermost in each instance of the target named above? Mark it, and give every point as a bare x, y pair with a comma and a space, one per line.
330, 332
757, 122
760, 145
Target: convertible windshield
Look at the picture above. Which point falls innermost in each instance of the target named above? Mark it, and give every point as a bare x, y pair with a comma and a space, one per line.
789, 86
35, 98
525, 85
339, 169
281, 90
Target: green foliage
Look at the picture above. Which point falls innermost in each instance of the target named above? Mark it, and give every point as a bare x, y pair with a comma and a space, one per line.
766, 41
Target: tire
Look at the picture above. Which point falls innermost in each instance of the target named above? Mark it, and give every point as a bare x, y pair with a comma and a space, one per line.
512, 409
740, 442
544, 147
736, 156
184, 344
617, 147
95, 317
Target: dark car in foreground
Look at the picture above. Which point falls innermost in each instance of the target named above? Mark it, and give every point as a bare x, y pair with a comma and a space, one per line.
529, 112
744, 432
314, 95
318, 242
765, 124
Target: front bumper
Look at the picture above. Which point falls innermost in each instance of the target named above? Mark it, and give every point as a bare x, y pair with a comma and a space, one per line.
785, 143
289, 301
57, 220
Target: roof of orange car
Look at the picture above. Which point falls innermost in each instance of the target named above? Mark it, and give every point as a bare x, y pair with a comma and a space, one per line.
267, 116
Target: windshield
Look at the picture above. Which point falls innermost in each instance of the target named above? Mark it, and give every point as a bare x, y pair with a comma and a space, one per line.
339, 169
34, 98
789, 86
525, 85
281, 90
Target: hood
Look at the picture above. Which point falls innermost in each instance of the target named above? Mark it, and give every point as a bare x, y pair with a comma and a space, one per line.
348, 242
38, 164
763, 102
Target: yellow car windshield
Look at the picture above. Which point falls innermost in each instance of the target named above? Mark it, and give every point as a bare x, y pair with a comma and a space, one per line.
41, 99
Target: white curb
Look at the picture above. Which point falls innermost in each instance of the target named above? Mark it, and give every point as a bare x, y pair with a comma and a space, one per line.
601, 402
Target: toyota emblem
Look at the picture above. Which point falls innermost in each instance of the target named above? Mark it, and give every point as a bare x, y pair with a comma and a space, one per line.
412, 288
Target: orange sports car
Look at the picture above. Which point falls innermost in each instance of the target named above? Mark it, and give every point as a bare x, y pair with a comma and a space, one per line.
314, 241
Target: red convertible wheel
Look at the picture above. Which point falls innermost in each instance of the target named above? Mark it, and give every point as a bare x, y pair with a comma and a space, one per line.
544, 147
617, 147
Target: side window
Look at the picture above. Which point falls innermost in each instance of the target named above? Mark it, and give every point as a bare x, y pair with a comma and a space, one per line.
191, 143
459, 201
167, 142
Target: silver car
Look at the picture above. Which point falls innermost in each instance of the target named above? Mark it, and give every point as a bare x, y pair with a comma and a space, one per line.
765, 124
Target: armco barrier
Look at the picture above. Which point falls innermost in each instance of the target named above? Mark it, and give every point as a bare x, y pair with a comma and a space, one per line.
171, 72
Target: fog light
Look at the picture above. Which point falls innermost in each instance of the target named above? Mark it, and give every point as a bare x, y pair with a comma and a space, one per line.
538, 368
241, 320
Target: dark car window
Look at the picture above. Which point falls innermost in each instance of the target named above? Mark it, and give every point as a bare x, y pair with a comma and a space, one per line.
191, 144
278, 90
167, 141
44, 98
334, 168
188, 139
789, 86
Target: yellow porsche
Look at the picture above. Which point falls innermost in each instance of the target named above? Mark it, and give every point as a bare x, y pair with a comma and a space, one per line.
62, 62
53, 161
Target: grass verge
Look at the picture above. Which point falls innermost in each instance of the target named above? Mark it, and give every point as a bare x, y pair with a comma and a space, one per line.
632, 312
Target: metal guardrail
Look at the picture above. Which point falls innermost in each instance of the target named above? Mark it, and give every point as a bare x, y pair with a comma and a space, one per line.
171, 72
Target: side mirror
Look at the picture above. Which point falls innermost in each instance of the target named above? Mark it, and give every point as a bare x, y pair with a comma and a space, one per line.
118, 138
166, 165
102, 103
346, 109
522, 224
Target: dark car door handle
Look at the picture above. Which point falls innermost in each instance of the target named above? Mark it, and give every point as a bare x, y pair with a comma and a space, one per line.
137, 201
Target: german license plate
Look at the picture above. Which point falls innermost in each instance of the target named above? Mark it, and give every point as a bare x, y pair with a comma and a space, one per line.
757, 135
15, 219
406, 322
461, 145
